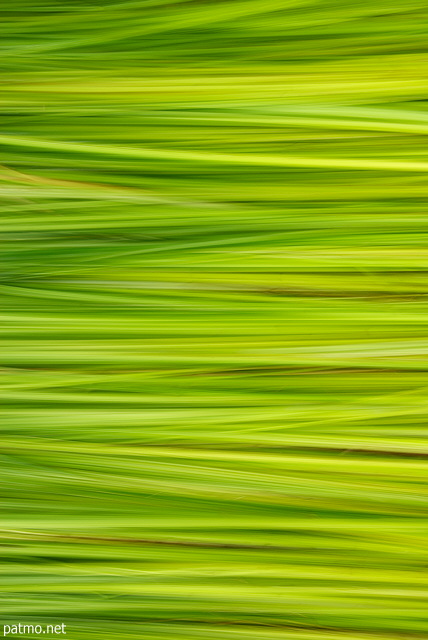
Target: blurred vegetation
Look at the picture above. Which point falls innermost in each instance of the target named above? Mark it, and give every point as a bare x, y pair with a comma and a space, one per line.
214, 290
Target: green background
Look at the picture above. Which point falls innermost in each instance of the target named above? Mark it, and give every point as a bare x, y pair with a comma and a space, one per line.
214, 293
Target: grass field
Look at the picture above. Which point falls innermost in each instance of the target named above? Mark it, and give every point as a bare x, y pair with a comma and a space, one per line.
214, 296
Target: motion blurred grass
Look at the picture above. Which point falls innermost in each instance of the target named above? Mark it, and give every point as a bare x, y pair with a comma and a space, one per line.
214, 293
